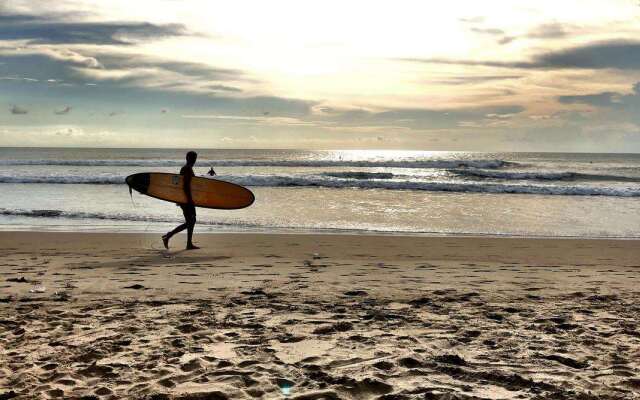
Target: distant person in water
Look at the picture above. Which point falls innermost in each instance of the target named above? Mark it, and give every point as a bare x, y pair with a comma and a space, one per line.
188, 209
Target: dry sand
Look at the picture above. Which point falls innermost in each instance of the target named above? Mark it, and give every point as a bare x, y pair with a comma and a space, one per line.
106, 316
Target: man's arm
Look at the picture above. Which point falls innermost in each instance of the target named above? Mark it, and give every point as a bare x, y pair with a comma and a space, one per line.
187, 188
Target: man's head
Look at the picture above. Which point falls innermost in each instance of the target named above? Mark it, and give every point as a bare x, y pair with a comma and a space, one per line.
191, 157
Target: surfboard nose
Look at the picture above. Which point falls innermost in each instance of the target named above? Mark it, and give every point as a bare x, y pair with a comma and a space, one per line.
139, 182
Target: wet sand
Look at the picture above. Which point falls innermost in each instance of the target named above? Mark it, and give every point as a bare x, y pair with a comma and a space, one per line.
265, 316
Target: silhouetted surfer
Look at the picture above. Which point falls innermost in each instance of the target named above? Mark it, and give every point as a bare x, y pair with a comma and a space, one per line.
188, 209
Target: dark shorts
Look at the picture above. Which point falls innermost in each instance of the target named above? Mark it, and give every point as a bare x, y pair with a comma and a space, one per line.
188, 210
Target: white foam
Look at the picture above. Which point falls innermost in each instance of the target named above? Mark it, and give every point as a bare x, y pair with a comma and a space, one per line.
516, 175
360, 175
65, 179
542, 176
335, 182
106, 216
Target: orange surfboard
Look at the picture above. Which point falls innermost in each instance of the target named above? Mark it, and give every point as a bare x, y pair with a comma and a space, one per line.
206, 192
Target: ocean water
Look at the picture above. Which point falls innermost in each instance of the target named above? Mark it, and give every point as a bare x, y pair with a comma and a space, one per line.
404, 192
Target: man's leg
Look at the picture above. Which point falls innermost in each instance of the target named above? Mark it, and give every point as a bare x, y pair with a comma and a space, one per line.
191, 223
179, 228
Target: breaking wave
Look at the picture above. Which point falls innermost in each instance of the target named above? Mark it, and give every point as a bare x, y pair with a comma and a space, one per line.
541, 176
367, 181
104, 216
547, 176
360, 175
66, 179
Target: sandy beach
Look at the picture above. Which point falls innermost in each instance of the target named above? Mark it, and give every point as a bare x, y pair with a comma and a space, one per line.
266, 316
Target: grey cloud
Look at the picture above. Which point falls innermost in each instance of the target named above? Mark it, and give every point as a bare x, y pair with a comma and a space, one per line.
326, 110
604, 99
471, 80
488, 31
18, 18
15, 110
40, 67
549, 31
198, 70
63, 111
507, 40
498, 64
66, 132
224, 88
194, 70
41, 30
137, 95
545, 31
136, 71
619, 54
471, 20
616, 108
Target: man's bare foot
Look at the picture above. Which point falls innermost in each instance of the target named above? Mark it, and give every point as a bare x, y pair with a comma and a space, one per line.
165, 241
192, 247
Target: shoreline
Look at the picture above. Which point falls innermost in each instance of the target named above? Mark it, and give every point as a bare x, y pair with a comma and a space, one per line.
295, 231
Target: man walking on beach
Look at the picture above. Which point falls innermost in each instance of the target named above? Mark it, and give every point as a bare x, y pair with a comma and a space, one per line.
188, 209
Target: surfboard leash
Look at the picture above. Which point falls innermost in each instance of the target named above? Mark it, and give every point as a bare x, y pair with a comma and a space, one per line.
131, 196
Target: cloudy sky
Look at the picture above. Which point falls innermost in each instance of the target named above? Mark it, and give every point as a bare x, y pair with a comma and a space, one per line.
493, 75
